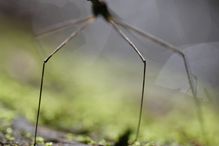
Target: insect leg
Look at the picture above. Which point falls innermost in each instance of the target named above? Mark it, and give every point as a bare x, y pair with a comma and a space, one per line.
74, 34
61, 26
125, 37
171, 47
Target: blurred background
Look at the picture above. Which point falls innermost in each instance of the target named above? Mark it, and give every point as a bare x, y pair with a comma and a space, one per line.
94, 83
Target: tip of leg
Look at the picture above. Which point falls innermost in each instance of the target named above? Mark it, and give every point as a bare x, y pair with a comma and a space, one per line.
35, 143
133, 142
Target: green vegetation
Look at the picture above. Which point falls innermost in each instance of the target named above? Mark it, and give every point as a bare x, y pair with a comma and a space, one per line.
93, 102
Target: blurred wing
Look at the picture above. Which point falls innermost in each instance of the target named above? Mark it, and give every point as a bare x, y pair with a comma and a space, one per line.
61, 26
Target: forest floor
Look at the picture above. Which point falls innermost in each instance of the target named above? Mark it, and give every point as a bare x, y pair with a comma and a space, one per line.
88, 102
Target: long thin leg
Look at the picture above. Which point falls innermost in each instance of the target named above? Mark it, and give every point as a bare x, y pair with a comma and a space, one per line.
125, 37
186, 64
61, 26
74, 34
195, 78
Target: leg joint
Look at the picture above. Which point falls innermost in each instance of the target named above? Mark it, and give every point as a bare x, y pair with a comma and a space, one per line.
47, 59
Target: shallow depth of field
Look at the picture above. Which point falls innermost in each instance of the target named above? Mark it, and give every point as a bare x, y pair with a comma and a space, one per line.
90, 98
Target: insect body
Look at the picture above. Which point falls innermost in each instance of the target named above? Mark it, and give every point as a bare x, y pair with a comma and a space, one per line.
99, 8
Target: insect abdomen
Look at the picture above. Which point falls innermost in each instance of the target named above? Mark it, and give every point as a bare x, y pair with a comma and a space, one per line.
101, 9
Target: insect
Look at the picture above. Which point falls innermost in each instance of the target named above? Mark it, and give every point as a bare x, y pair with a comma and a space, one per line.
100, 9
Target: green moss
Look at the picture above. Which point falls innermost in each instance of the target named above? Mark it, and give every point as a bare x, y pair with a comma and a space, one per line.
94, 103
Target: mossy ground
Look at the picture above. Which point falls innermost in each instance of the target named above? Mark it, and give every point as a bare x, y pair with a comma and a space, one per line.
91, 102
